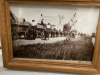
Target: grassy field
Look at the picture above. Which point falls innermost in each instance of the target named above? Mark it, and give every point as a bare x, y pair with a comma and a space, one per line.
80, 50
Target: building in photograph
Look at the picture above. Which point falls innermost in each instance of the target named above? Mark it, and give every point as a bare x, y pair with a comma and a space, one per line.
18, 21
52, 22
18, 25
13, 18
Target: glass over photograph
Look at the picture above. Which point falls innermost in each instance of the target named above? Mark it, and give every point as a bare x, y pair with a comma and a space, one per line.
53, 32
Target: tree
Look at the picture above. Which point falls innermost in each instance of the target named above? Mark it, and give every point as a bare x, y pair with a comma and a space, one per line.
67, 28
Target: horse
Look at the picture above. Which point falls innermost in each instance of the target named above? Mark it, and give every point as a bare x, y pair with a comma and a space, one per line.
31, 33
46, 33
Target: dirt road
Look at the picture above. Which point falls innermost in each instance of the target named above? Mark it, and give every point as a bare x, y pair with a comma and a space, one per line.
38, 40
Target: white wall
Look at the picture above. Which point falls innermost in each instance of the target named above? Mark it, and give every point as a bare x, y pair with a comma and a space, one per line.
0, 46
0, 41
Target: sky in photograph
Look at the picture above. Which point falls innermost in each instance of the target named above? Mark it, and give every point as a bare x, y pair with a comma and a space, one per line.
86, 16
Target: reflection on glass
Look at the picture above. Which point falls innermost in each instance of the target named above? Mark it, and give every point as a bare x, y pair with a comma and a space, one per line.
55, 32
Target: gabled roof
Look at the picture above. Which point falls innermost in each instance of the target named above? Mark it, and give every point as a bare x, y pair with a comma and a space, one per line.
19, 20
13, 16
53, 20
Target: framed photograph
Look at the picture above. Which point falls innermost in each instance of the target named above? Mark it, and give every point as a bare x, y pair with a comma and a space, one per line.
51, 35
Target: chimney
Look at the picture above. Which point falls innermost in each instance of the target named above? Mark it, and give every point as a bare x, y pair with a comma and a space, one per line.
48, 23
41, 14
33, 20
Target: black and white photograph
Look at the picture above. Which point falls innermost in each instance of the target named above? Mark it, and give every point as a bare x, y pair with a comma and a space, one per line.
53, 32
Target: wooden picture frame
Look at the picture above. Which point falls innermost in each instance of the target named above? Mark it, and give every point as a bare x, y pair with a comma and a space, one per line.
33, 64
